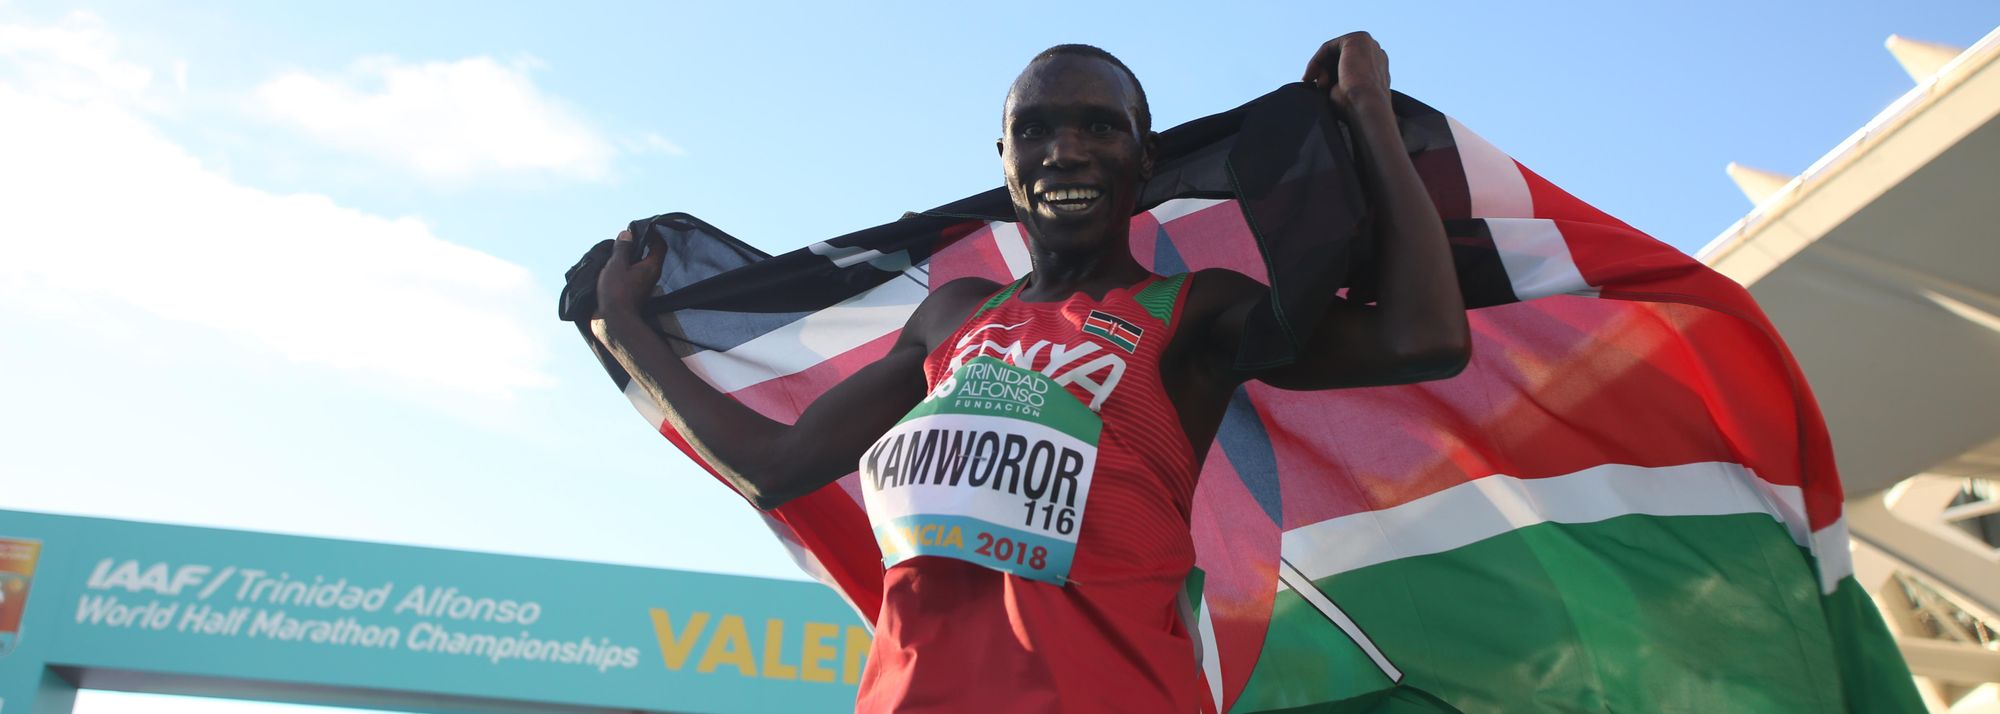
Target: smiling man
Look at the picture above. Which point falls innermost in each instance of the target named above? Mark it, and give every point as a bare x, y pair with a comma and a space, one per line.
1028, 452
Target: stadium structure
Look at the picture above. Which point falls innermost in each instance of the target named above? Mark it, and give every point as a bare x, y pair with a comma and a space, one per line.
1880, 265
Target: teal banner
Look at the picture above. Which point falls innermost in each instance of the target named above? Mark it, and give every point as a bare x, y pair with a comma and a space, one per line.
231, 613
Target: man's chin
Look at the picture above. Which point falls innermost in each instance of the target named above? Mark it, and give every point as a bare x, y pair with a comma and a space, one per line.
1066, 236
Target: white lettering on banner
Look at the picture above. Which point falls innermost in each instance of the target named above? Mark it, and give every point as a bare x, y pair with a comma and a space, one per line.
208, 620
158, 578
107, 611
353, 614
447, 602
276, 625
283, 590
602, 654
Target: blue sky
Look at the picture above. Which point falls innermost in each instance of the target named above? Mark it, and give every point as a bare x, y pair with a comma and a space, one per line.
292, 267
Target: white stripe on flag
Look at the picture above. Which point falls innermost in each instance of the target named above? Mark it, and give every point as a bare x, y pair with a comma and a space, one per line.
1536, 258
1211, 658
1304, 587
1476, 510
845, 256
1181, 207
644, 403
1831, 550
1013, 247
814, 338
1492, 179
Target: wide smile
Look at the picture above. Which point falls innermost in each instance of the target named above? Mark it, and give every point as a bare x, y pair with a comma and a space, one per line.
1071, 199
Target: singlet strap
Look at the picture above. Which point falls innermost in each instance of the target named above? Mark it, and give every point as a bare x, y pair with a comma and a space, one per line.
997, 298
1161, 296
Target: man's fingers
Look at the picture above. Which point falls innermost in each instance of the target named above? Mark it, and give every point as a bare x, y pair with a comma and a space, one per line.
1327, 56
656, 253
621, 249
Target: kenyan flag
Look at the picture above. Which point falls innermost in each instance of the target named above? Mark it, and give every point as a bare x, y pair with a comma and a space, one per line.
1627, 502
1110, 327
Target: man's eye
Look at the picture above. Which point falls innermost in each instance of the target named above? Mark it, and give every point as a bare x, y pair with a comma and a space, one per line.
1033, 131
1100, 128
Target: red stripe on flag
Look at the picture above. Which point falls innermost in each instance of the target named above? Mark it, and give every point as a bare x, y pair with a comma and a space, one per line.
970, 256
830, 525
1216, 237
1768, 411
834, 527
1237, 547
784, 398
1555, 386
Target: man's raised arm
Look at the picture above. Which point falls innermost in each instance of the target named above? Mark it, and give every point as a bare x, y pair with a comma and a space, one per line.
1417, 329
767, 461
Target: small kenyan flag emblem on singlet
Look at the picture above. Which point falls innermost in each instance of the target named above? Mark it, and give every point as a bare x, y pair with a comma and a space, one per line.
1119, 332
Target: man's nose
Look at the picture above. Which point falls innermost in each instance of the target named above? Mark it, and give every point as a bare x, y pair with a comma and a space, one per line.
1066, 150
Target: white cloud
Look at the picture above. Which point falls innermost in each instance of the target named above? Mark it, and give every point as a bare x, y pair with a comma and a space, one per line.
73, 60
443, 120
654, 143
97, 205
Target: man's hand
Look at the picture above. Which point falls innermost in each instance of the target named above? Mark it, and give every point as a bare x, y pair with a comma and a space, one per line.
628, 280
1352, 69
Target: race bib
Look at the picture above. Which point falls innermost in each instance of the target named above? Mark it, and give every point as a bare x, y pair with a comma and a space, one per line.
993, 468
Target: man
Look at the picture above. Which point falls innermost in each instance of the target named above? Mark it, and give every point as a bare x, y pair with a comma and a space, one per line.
1086, 394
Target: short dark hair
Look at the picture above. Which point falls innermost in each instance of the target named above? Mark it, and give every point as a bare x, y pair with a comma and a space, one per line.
1080, 50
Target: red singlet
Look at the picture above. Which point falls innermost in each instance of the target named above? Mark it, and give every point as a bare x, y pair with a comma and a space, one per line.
958, 637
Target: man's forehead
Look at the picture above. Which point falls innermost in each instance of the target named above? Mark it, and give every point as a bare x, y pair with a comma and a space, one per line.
1069, 82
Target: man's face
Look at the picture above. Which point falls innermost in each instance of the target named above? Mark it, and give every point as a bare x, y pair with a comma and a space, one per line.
1073, 151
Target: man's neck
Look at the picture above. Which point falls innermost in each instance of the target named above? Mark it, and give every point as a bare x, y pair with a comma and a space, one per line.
1057, 276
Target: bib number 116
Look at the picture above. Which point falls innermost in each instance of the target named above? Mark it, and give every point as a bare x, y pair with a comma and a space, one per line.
1063, 519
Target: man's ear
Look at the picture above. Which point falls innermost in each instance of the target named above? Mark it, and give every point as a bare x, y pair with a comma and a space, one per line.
1149, 151
1000, 146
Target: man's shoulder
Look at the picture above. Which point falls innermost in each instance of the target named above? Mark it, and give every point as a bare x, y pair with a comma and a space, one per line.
963, 292
948, 306
1212, 291
1214, 311
968, 284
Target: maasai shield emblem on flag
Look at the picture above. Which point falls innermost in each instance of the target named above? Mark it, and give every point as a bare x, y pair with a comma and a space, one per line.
1627, 502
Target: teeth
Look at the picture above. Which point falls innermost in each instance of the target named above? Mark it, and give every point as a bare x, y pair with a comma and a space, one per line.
1070, 194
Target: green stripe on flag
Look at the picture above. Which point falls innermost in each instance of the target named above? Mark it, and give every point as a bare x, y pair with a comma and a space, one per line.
1636, 613
1872, 669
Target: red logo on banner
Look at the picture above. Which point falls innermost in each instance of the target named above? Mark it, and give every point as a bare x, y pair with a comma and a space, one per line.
17, 572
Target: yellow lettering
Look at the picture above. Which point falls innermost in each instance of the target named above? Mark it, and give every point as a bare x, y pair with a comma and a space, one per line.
816, 650
774, 650
930, 535
955, 538
675, 649
857, 650
729, 645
